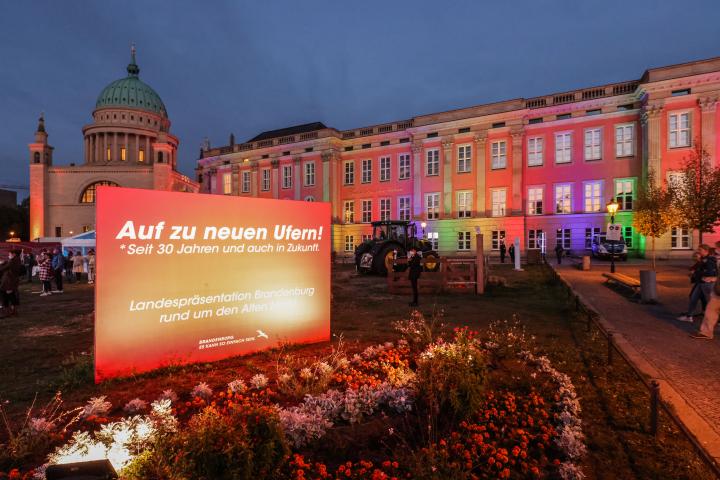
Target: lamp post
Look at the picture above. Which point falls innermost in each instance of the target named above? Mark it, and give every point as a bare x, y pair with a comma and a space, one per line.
423, 225
612, 208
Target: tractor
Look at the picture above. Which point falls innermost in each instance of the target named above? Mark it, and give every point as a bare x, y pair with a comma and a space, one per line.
392, 239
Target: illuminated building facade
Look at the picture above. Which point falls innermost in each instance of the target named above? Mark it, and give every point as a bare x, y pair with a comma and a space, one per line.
128, 144
534, 168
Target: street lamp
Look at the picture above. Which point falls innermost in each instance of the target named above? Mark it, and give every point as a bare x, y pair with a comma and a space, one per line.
612, 208
423, 225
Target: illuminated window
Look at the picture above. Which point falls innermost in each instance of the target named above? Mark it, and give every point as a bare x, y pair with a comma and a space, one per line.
366, 211
107, 155
287, 176
499, 154
463, 241
593, 144
498, 197
563, 198
624, 193
562, 237
384, 169
563, 148
366, 171
535, 152
88, 195
403, 208
679, 131
679, 238
349, 243
432, 206
535, 201
464, 204
227, 183
593, 196
349, 211
434, 239
385, 209
464, 158
86, 228
141, 155
624, 140
309, 174
404, 166
432, 165
498, 237
246, 181
122, 154
349, 172
591, 233
535, 239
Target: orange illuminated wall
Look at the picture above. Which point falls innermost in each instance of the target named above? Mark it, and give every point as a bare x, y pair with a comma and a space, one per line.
187, 278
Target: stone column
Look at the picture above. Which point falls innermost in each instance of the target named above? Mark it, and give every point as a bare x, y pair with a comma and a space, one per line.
518, 138
105, 147
330, 181
254, 181
148, 153
652, 147
447, 145
297, 173
708, 135
417, 199
480, 171
275, 178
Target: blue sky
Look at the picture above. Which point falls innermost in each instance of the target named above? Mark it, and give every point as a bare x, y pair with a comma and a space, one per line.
245, 67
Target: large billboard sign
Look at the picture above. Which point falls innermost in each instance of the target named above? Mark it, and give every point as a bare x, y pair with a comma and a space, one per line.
185, 278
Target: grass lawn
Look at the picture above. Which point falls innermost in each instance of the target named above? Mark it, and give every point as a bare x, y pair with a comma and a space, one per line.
49, 347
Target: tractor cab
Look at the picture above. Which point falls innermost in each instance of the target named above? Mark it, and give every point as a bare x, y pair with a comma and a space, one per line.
391, 239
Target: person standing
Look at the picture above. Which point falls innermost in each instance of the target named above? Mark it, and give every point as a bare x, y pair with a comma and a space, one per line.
9, 282
91, 266
503, 249
710, 319
45, 272
559, 250
69, 267
58, 265
415, 269
705, 274
78, 266
29, 262
511, 252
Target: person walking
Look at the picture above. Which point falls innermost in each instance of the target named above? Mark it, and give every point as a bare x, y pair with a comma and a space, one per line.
511, 252
710, 319
415, 269
58, 265
45, 272
78, 266
559, 250
503, 249
91, 266
704, 275
9, 281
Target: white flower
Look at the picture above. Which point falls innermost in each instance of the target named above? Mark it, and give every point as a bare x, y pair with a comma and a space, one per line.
324, 368
168, 394
306, 373
202, 390
284, 378
259, 381
40, 425
237, 386
96, 406
135, 405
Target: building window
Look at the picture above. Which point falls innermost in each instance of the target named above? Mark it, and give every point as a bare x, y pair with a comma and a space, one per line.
464, 241
107, 155
403, 208
86, 228
679, 130
287, 176
593, 196
58, 231
535, 152
366, 211
464, 204
593, 144
227, 183
563, 198
590, 233
266, 179
349, 243
246, 182
384, 169
624, 193
309, 174
535, 201
563, 147
123, 154
628, 236
349, 172
36, 157
432, 205
404, 166
141, 155
498, 238
349, 211
498, 197
679, 238
534, 239
385, 209
160, 157
675, 179
464, 158
90, 193
562, 237
309, 198
499, 154
624, 140
366, 171
432, 162
434, 239
366, 237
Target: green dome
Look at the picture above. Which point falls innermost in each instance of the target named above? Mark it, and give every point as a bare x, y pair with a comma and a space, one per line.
131, 92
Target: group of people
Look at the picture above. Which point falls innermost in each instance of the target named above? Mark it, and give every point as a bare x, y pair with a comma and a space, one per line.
52, 266
506, 250
705, 290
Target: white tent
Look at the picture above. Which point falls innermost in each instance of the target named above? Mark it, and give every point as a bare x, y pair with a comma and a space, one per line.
83, 242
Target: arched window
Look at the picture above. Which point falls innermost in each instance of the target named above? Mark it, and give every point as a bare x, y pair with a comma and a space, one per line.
37, 157
309, 198
88, 195
160, 157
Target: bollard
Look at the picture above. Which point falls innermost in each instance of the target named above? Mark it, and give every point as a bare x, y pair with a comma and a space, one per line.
654, 404
610, 347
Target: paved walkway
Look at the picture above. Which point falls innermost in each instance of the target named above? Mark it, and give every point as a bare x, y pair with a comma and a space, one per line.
658, 344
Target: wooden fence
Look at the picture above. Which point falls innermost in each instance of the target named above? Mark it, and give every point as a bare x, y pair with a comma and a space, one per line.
455, 274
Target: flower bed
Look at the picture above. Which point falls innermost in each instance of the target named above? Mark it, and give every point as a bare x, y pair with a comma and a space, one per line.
468, 407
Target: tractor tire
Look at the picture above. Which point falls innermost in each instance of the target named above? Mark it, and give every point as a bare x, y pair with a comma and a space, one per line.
432, 266
383, 261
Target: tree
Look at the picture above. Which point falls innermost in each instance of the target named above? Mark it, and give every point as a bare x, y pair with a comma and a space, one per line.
653, 214
696, 195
